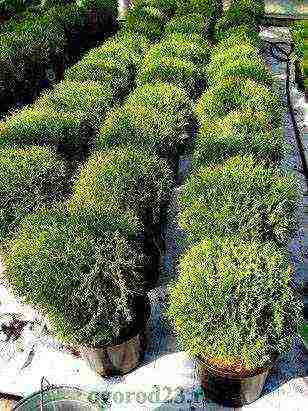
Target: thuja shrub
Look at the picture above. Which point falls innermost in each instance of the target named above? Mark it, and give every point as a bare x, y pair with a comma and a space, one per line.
125, 48
208, 8
163, 97
146, 20
235, 93
188, 24
91, 99
106, 72
232, 18
42, 126
29, 178
239, 35
240, 132
242, 196
232, 305
123, 180
191, 48
175, 70
221, 56
83, 284
168, 7
243, 68
145, 128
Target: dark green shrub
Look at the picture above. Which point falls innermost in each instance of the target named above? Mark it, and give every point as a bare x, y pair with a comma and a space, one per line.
208, 8
232, 19
145, 128
106, 72
123, 180
188, 24
191, 48
108, 5
232, 305
174, 70
163, 97
83, 284
12, 7
145, 20
243, 197
243, 68
240, 132
235, 94
29, 178
89, 99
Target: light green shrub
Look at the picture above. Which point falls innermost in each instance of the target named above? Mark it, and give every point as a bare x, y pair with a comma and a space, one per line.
89, 99
232, 305
243, 197
239, 133
188, 24
81, 283
29, 178
163, 97
122, 180
242, 68
37, 125
146, 20
144, 128
234, 94
182, 73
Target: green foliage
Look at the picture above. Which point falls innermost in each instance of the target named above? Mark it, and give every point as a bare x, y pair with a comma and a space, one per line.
145, 128
89, 99
12, 6
37, 125
108, 5
192, 48
29, 178
239, 35
163, 97
243, 197
175, 70
243, 68
82, 283
232, 303
168, 7
188, 24
122, 180
145, 20
234, 94
239, 133
221, 56
125, 48
208, 8
298, 36
107, 72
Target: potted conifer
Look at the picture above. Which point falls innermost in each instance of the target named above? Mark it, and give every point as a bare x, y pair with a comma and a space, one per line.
82, 272
234, 310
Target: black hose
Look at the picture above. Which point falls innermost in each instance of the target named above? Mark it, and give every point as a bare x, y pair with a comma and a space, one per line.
286, 59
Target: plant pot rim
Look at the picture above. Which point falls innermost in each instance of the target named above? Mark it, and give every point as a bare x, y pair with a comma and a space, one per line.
235, 375
136, 328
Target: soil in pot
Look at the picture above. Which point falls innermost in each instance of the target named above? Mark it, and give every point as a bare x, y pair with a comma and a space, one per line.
128, 350
229, 388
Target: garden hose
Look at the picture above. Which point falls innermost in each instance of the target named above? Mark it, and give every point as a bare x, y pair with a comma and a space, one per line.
286, 59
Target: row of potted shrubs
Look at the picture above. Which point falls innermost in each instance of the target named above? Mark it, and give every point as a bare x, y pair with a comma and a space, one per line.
85, 260
35, 49
232, 305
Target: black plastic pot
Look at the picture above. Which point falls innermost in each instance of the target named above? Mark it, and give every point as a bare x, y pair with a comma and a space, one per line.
127, 352
231, 389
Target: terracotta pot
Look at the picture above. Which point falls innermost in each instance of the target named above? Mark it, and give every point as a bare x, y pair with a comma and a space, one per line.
126, 354
231, 389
